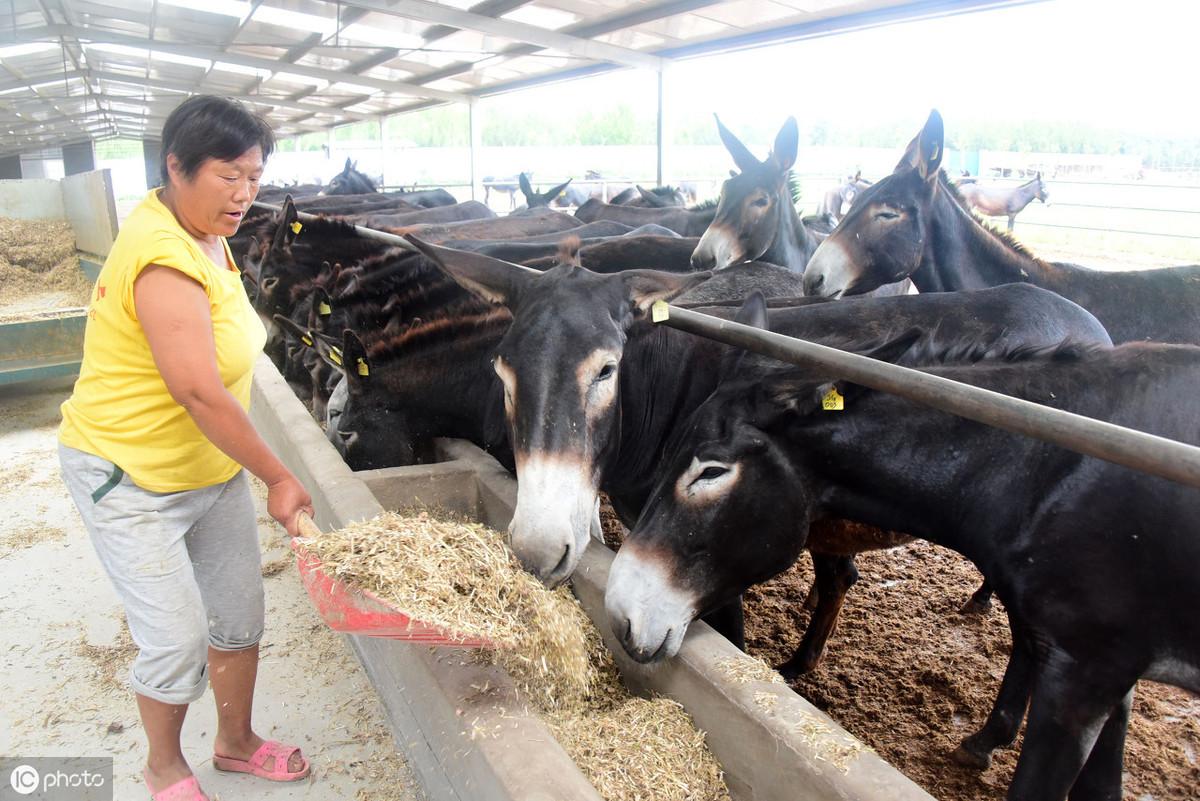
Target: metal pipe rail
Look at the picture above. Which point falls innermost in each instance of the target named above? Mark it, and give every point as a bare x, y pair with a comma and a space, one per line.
1135, 449
369, 233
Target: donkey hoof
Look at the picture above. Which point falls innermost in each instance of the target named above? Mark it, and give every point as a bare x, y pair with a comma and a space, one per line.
969, 755
797, 666
975, 607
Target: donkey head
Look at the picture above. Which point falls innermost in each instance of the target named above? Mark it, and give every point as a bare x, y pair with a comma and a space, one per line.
753, 202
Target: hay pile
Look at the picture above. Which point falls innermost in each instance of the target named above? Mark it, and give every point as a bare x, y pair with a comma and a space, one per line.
39, 270
36, 245
462, 577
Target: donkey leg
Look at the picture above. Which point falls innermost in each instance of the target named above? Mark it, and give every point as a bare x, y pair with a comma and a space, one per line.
980, 602
810, 600
1100, 779
1003, 722
730, 622
835, 575
1012, 219
1071, 704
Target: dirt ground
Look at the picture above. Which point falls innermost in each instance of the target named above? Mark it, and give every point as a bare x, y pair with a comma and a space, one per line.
911, 676
65, 651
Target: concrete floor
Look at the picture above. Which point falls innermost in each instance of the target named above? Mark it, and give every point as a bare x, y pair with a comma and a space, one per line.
64, 650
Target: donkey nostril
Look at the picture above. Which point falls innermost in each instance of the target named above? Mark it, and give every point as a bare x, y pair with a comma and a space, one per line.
628, 630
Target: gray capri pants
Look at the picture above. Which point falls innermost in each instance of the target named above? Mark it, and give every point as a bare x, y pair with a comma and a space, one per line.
186, 565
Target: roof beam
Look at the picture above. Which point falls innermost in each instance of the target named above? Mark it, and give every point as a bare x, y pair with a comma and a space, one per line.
584, 28
427, 11
94, 35
266, 100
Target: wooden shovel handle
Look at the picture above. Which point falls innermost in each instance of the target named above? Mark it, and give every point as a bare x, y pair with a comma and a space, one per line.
306, 526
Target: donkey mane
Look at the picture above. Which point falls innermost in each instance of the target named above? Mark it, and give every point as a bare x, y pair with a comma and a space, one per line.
793, 185
962, 353
456, 325
704, 205
1006, 238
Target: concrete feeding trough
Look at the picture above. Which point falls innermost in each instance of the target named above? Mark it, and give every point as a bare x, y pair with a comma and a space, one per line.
772, 744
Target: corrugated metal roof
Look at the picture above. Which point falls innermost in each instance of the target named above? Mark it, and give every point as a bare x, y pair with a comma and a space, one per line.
87, 69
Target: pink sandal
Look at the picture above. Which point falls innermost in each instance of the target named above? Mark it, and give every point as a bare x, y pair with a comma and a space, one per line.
183, 790
254, 765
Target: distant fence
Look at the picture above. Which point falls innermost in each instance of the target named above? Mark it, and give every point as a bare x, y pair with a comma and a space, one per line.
1158, 210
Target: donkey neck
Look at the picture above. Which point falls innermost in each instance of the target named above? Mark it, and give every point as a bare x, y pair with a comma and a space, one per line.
792, 247
919, 494
458, 394
665, 375
960, 253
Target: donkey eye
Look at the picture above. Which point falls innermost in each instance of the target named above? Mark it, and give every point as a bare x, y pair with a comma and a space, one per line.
711, 472
606, 372
886, 215
759, 202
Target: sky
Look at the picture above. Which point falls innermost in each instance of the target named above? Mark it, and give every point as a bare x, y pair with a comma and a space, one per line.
1127, 64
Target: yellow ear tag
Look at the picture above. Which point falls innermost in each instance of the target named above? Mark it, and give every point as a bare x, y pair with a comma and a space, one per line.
324, 309
936, 149
335, 355
307, 339
833, 401
296, 226
660, 311
363, 369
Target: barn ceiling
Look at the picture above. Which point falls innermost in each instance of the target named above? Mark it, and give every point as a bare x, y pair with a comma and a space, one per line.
72, 70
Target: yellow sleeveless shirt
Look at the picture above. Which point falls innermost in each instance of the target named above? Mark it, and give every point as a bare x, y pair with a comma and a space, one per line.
121, 410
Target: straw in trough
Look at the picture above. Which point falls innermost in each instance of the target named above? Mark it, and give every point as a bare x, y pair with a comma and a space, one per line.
36, 245
462, 577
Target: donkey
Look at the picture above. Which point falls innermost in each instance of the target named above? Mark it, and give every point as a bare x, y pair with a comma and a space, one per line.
534, 200
912, 223
995, 201
683, 221
1095, 563
756, 217
506, 185
841, 197
657, 197
350, 181
593, 391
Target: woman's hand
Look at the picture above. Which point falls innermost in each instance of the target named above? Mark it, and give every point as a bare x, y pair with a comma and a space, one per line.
286, 499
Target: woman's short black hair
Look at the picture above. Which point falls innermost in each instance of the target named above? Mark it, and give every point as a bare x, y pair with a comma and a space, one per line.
208, 127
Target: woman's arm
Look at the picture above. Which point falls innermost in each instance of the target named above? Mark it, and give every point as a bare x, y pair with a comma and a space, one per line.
174, 312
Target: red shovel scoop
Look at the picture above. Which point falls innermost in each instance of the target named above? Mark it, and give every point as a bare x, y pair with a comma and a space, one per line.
355, 611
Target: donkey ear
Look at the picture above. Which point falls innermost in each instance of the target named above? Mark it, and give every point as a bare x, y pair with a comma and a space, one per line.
652, 200
285, 234
909, 160
643, 287
558, 190
741, 156
930, 147
753, 311
787, 141
325, 348
347, 168
525, 187
352, 360
491, 279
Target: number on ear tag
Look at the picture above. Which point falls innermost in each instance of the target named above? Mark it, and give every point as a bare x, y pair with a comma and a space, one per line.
660, 311
833, 401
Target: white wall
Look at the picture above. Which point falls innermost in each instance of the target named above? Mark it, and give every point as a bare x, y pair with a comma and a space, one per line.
31, 199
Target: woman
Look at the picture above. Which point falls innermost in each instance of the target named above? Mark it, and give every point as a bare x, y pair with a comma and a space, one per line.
155, 442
